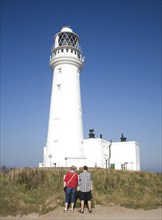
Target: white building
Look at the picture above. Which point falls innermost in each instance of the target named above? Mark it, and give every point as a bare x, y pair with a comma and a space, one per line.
125, 155
65, 143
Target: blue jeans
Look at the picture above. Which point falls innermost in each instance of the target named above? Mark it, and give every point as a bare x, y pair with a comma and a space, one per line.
70, 195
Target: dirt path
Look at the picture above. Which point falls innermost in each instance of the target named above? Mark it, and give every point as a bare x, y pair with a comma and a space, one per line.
99, 212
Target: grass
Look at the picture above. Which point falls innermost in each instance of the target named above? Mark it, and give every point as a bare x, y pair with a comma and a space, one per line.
23, 191
129, 189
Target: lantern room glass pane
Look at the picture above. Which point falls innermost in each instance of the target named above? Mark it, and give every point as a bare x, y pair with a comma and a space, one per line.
68, 39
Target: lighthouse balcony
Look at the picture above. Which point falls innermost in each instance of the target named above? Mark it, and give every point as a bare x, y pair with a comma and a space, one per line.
66, 51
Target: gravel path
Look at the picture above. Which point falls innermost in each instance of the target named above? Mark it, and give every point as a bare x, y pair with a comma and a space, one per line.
99, 212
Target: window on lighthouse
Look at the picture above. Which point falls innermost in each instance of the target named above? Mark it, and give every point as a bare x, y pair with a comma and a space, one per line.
60, 70
68, 39
58, 87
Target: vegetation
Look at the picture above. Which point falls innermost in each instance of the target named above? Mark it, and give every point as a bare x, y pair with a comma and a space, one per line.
23, 191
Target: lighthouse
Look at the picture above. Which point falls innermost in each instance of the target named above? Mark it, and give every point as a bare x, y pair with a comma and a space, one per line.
65, 144
65, 129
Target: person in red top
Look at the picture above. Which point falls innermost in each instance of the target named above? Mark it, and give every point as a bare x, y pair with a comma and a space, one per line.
71, 183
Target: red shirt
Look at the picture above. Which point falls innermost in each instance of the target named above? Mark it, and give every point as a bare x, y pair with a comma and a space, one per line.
73, 182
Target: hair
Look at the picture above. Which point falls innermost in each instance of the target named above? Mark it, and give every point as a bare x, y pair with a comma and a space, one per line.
73, 167
85, 168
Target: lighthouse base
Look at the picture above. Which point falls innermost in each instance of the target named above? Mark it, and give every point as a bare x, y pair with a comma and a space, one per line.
77, 161
68, 162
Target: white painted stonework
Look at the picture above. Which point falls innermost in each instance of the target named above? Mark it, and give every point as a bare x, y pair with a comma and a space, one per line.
125, 155
65, 144
116, 155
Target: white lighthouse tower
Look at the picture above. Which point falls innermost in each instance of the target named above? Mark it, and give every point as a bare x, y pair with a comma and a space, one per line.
65, 130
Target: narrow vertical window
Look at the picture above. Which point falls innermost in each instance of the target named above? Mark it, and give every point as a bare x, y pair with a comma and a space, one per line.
60, 70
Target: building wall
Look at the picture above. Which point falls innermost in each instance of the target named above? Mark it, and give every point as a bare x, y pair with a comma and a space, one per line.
78, 162
94, 151
124, 155
65, 131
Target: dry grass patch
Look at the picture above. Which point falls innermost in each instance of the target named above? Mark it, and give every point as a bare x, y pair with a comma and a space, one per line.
23, 191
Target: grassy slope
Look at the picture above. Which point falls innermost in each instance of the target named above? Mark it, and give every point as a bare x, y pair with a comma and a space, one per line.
40, 190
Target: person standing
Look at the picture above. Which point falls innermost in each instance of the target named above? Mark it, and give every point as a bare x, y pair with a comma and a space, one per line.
85, 184
71, 183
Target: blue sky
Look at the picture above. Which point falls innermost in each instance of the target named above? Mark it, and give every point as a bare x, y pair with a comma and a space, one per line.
120, 81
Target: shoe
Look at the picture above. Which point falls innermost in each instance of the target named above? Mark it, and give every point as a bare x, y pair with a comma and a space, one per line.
81, 211
90, 210
72, 209
65, 210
